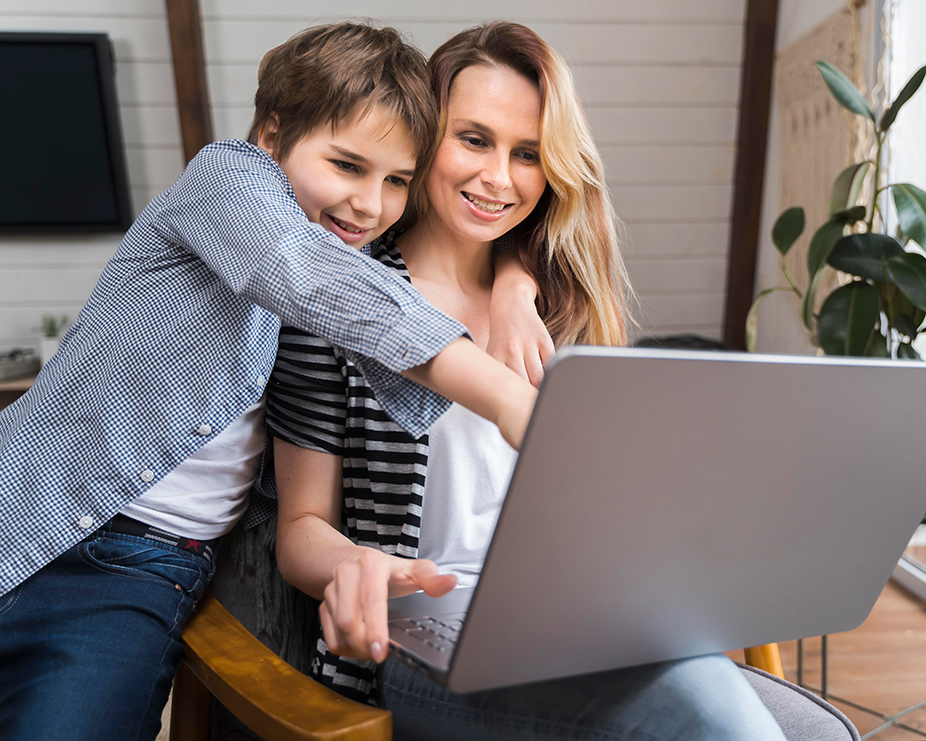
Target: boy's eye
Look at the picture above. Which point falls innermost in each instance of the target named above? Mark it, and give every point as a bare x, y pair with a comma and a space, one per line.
397, 181
344, 165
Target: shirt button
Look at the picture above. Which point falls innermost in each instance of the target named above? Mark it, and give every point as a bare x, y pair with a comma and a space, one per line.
85, 522
204, 430
147, 476
261, 380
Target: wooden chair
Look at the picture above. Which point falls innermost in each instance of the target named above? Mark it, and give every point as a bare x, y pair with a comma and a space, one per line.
275, 700
268, 695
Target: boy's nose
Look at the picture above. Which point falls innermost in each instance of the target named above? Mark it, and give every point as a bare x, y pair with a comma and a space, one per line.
368, 201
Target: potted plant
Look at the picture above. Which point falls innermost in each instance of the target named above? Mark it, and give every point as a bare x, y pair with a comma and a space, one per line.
51, 329
881, 309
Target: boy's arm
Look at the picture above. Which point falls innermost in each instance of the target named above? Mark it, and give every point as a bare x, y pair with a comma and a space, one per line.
464, 373
234, 208
517, 334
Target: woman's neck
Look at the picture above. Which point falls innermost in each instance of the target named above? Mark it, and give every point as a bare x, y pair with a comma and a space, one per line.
438, 256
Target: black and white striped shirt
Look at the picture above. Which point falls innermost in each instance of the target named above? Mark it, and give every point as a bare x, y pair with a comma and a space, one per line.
318, 399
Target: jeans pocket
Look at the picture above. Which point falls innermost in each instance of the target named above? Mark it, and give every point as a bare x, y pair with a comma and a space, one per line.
9, 599
137, 558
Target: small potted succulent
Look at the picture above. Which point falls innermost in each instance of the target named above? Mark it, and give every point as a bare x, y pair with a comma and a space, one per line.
51, 329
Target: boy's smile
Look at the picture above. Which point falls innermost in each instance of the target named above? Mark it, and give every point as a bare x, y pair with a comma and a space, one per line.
352, 180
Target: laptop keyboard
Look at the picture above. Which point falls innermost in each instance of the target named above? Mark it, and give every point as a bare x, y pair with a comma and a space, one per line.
438, 633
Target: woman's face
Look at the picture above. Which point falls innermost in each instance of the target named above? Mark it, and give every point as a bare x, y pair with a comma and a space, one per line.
487, 177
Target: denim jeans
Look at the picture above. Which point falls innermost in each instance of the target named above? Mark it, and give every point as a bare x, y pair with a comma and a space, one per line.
705, 698
90, 643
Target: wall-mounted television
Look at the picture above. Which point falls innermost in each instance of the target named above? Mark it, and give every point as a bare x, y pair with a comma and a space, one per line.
63, 166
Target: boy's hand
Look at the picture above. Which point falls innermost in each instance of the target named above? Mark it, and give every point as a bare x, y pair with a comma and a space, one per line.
517, 335
354, 614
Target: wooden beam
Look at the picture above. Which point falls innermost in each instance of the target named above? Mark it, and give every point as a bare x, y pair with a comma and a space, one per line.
188, 53
752, 138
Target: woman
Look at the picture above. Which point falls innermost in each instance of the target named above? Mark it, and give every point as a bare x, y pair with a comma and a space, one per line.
366, 512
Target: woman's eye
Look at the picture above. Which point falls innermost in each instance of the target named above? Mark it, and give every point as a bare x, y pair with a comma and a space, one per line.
473, 141
397, 181
345, 166
528, 157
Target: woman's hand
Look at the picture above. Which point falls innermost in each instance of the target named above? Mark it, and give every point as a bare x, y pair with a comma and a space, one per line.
354, 611
517, 335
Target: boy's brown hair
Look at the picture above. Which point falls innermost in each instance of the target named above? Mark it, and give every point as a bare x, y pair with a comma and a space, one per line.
329, 74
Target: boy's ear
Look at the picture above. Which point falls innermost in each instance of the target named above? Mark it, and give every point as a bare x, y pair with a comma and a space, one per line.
267, 138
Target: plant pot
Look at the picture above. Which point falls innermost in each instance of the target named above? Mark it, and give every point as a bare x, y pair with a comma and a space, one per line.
47, 348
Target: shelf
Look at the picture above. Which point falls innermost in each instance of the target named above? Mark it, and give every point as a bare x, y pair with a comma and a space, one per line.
17, 384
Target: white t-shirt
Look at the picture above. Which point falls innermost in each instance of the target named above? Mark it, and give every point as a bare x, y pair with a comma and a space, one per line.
205, 495
469, 466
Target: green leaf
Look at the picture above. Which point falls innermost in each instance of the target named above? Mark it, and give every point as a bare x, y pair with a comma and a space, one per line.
787, 229
913, 84
847, 319
877, 346
911, 211
864, 254
906, 352
844, 91
807, 300
846, 187
822, 243
905, 325
908, 271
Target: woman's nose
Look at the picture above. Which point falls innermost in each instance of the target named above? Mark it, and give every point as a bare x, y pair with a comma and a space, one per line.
497, 173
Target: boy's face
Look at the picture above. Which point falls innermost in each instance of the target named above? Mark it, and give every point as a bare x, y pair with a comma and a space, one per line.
353, 181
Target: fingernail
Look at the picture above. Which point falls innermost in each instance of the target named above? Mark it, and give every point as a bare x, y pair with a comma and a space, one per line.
376, 647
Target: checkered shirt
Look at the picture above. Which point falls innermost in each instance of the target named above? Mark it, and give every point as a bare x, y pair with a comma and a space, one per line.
179, 337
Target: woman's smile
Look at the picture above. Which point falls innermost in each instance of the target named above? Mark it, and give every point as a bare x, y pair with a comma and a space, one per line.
485, 208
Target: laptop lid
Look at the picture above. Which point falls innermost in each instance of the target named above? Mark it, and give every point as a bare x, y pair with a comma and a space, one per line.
672, 503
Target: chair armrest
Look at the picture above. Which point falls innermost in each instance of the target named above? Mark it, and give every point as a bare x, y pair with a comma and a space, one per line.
268, 695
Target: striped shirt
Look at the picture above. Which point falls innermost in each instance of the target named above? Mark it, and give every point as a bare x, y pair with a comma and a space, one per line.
318, 399
179, 336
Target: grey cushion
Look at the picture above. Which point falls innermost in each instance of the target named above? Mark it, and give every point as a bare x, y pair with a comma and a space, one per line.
802, 715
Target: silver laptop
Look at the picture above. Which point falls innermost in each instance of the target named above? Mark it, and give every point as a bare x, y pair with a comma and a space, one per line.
668, 504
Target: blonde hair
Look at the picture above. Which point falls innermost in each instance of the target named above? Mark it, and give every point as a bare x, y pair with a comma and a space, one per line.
570, 242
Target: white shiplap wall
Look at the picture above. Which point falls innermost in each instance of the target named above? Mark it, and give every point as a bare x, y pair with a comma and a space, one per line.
42, 274
660, 82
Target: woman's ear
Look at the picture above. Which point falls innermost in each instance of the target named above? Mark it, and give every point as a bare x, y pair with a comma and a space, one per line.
267, 138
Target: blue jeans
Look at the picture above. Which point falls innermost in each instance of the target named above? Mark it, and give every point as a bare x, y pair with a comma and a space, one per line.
702, 698
89, 644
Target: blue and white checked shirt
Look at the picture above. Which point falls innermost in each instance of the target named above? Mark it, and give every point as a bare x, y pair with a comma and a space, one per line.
179, 338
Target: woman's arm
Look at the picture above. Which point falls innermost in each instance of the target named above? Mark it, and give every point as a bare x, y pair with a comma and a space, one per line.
517, 335
353, 581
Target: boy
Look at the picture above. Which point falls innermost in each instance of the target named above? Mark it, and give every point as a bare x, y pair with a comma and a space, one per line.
136, 447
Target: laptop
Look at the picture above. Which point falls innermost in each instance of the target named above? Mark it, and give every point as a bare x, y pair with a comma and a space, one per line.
668, 504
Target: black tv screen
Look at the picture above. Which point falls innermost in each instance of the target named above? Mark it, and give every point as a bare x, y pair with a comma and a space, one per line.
64, 162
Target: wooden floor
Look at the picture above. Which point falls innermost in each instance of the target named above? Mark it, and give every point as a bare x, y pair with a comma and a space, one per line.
880, 665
